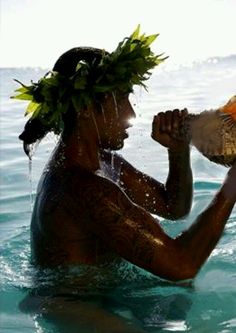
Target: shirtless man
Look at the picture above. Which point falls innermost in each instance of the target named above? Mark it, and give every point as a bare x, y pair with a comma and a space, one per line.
85, 214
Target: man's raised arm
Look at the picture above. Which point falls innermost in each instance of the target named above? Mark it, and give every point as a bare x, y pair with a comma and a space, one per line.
173, 199
135, 235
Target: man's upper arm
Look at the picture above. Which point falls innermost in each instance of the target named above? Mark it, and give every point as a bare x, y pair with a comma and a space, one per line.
144, 190
130, 231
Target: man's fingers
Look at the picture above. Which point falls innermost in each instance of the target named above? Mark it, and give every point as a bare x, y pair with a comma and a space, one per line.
175, 120
170, 122
155, 126
184, 112
165, 121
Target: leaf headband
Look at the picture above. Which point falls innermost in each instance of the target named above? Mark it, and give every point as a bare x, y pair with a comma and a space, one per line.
129, 65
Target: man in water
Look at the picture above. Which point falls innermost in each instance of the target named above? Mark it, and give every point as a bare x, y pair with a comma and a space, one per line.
92, 206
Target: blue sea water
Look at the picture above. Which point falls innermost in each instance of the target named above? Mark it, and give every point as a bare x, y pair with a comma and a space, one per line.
136, 298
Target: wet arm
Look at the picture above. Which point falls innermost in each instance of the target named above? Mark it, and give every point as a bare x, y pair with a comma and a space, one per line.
136, 236
178, 187
171, 200
202, 236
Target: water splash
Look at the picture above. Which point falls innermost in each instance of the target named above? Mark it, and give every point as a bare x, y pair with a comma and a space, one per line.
109, 170
30, 150
103, 114
96, 126
116, 106
31, 184
112, 161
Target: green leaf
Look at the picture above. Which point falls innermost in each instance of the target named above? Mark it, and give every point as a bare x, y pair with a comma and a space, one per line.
32, 107
22, 89
51, 81
23, 96
150, 39
135, 34
24, 86
78, 67
80, 83
76, 101
102, 89
37, 111
64, 107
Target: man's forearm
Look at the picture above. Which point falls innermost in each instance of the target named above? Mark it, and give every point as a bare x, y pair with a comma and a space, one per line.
203, 235
179, 184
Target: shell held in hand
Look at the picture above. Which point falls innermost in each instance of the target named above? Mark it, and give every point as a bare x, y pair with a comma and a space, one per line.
213, 133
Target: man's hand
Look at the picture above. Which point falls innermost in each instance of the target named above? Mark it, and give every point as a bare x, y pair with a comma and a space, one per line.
168, 129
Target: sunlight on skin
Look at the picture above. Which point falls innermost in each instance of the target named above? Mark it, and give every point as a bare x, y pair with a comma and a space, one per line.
133, 121
146, 234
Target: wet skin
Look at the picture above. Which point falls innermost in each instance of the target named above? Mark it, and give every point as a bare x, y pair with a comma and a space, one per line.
82, 217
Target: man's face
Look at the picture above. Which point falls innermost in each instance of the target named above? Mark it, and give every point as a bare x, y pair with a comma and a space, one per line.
113, 120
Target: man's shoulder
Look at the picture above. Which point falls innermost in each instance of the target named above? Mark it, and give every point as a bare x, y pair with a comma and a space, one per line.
77, 187
74, 178
95, 183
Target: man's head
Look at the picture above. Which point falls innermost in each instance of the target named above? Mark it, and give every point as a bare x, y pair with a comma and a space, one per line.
82, 77
35, 128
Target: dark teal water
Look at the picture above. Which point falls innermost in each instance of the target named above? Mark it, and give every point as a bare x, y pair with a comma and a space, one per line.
122, 294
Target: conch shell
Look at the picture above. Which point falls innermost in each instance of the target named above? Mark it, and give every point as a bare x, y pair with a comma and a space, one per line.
213, 133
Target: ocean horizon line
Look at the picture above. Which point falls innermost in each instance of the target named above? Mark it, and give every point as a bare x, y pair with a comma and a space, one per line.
209, 60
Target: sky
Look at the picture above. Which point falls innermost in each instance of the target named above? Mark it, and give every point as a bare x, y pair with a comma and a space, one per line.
37, 32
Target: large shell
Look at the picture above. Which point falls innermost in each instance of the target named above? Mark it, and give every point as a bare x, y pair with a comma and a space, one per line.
213, 133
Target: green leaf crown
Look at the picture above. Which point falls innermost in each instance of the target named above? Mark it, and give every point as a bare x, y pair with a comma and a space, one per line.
128, 65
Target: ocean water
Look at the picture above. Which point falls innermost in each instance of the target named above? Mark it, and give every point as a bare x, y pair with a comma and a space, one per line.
122, 295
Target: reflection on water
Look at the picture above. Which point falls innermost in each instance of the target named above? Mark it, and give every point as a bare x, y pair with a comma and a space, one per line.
73, 304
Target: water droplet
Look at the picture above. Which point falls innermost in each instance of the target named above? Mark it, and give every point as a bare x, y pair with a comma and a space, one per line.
116, 106
103, 113
96, 126
31, 185
112, 161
